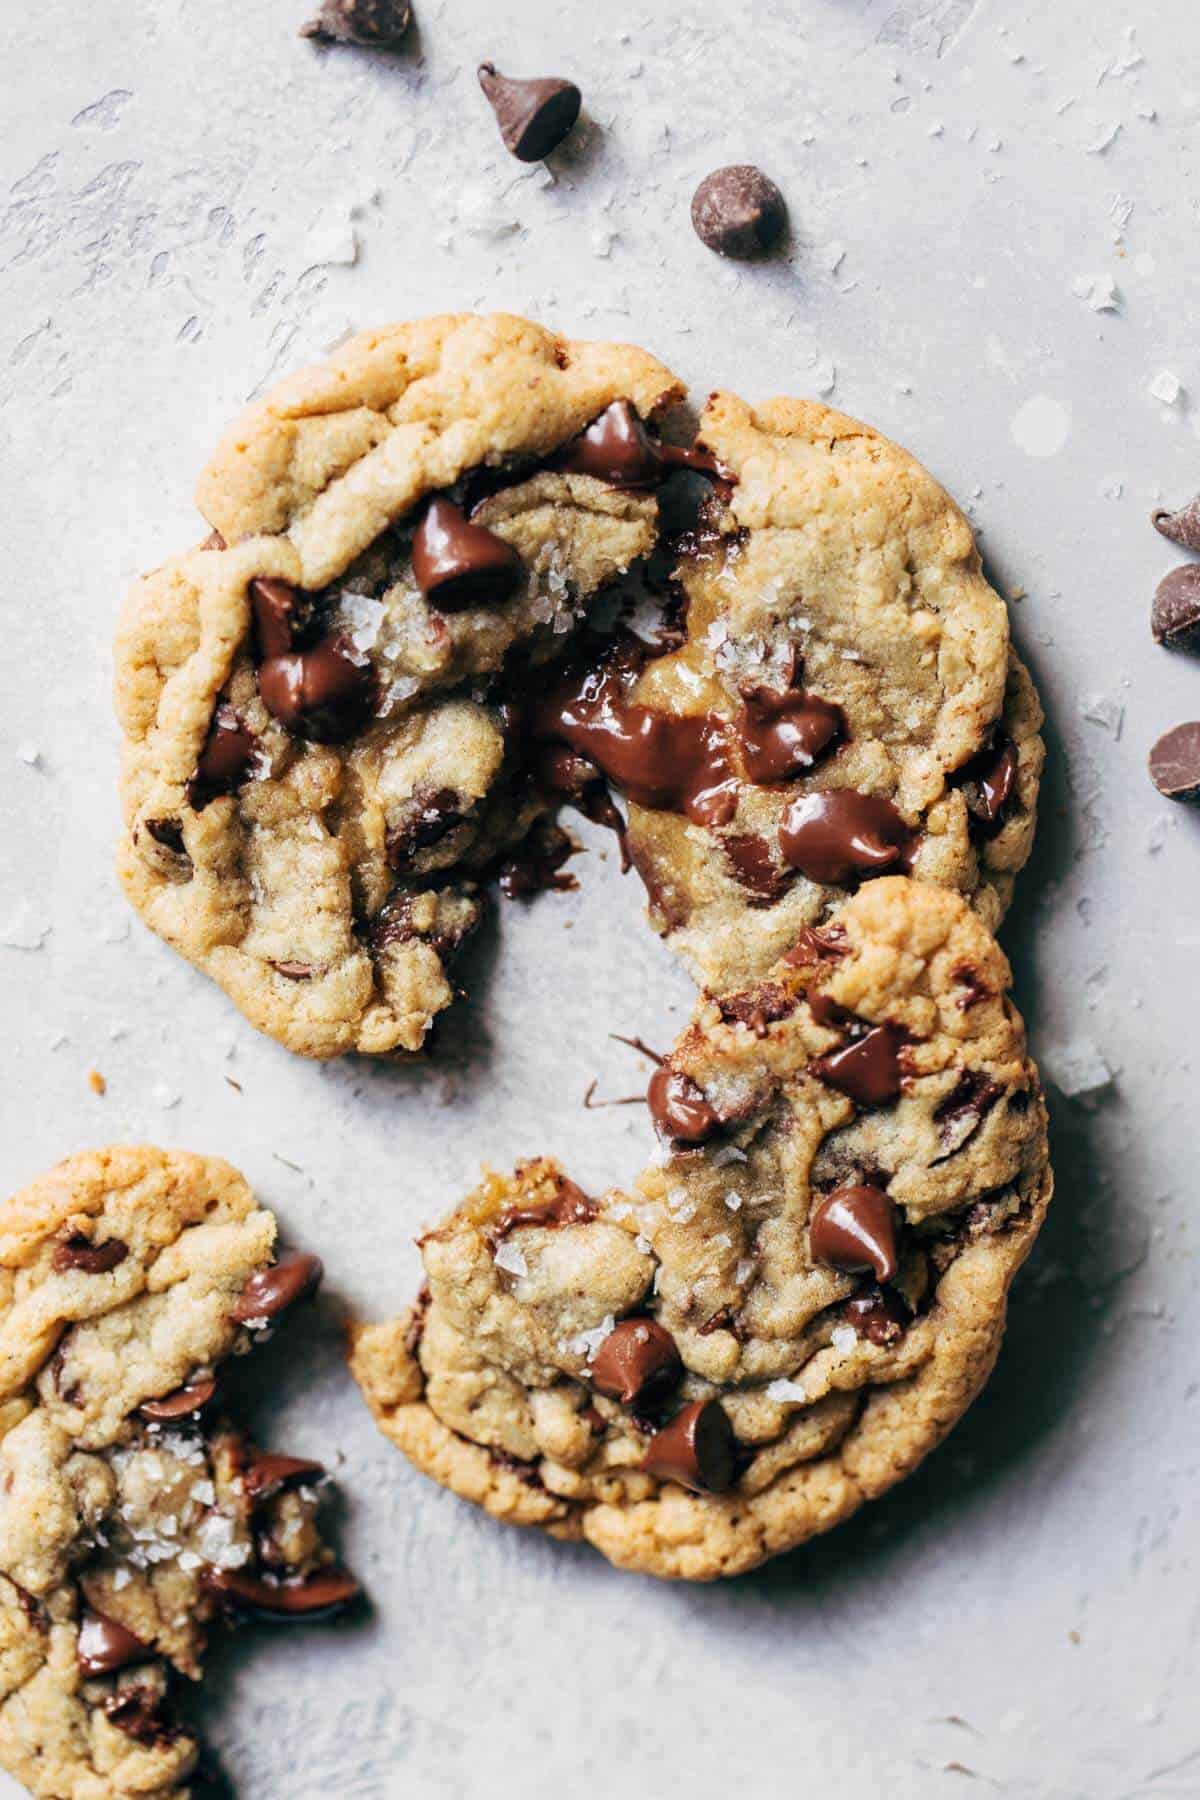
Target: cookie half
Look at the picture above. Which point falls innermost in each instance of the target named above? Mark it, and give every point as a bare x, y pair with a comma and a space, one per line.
322, 753
133, 1512
796, 1301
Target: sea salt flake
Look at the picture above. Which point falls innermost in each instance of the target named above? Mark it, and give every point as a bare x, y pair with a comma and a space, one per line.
1104, 710
1100, 292
844, 1338
23, 930
744, 1271
786, 1390
1105, 139
1166, 387
29, 754
733, 1201
643, 1244
586, 1343
1077, 1069
164, 1095
510, 1259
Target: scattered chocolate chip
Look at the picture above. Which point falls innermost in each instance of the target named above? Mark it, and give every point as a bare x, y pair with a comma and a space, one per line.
136, 1712
868, 1070
878, 1314
990, 779
168, 833
375, 24
265, 1473
1175, 763
323, 1591
225, 761
534, 116
679, 1108
79, 1252
854, 1229
638, 1364
269, 1292
569, 1206
738, 211
180, 1404
457, 564
783, 734
964, 1109
105, 1646
1182, 527
325, 693
1175, 615
843, 837
279, 612
697, 1449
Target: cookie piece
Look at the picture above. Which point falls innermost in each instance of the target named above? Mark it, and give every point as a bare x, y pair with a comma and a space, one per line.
320, 759
845, 702
796, 1301
132, 1512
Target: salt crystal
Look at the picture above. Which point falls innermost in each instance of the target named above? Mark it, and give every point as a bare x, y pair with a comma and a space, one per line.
621, 1209
122, 1577
602, 241
23, 930
733, 1201
1156, 836
1104, 710
744, 1271
1100, 292
164, 1095
830, 257
29, 754
844, 1338
510, 1259
1077, 1069
643, 1244
936, 129
1166, 387
786, 1390
586, 1343
1107, 137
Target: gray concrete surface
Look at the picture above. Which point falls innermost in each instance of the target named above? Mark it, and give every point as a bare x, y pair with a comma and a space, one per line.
192, 201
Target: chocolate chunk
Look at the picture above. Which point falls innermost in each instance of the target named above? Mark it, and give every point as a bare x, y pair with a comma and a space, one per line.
105, 1646
755, 868
868, 1070
570, 1206
458, 565
758, 1007
783, 734
225, 762
265, 1473
79, 1252
617, 448
738, 211
135, 1711
168, 833
697, 1449
878, 1314
269, 1292
679, 1108
534, 116
854, 1229
375, 24
990, 779
964, 1109
434, 819
1175, 615
1175, 763
1182, 527
180, 1404
813, 945
844, 837
827, 1012
279, 612
326, 1590
638, 1364
325, 693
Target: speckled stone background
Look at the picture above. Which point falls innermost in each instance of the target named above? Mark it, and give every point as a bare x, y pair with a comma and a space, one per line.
993, 258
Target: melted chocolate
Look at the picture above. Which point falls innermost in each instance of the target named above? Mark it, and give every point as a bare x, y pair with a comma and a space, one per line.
266, 1473
325, 1590
964, 1109
616, 447
755, 868
783, 734
990, 779
868, 1070
679, 1108
843, 837
104, 1645
181, 1404
79, 1252
878, 1314
570, 1206
326, 692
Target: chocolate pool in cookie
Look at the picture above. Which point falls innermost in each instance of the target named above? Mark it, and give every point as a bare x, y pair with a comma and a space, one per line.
795, 1302
133, 1513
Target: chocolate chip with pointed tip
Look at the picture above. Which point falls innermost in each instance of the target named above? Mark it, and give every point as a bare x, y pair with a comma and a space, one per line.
104, 1645
534, 115
615, 447
842, 837
1175, 763
679, 1107
697, 1449
326, 693
79, 1252
323, 1591
1175, 615
269, 1292
868, 1070
181, 1403
279, 612
854, 1229
373, 24
457, 564
638, 1363
224, 763
1182, 527
738, 211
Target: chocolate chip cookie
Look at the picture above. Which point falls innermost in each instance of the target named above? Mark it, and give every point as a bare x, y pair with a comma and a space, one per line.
322, 752
133, 1512
794, 1303
844, 702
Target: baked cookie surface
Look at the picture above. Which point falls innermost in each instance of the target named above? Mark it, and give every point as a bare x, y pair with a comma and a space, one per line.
132, 1512
321, 755
799, 1297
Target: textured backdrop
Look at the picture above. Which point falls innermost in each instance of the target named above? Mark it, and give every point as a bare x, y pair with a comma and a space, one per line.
993, 259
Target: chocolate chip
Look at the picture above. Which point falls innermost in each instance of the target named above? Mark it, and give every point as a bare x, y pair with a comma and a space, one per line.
679, 1108
964, 1109
755, 868
433, 820
325, 693
180, 1404
534, 116
1175, 615
868, 1070
697, 1449
265, 1473
878, 1314
279, 611
1175, 763
758, 1007
568, 1206
168, 833
457, 564
1182, 527
293, 971
269, 1292
638, 1364
214, 541
104, 1645
783, 734
990, 780
135, 1711
79, 1252
615, 447
844, 837
323, 1591
738, 211
854, 1229
225, 761
372, 23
